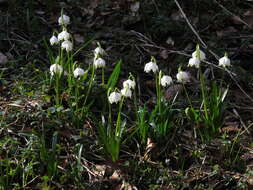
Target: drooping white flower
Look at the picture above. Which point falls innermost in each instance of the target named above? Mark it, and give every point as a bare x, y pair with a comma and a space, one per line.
99, 51
64, 20
166, 81
99, 63
114, 97
183, 77
202, 55
53, 40
126, 92
194, 62
64, 35
129, 84
55, 68
224, 62
151, 66
67, 45
78, 72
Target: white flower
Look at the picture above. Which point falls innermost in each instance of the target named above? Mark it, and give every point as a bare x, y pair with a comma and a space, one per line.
114, 97
224, 62
166, 80
99, 52
67, 45
202, 55
63, 20
99, 63
194, 62
78, 72
126, 92
55, 68
183, 77
53, 40
129, 84
64, 35
151, 66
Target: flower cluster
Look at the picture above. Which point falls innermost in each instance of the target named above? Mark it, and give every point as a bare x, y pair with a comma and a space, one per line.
126, 92
63, 37
198, 56
152, 66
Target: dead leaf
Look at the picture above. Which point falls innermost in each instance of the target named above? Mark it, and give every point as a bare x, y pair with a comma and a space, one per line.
247, 156
78, 38
164, 54
250, 180
249, 20
176, 16
127, 186
149, 149
173, 90
248, 12
135, 6
3, 58
236, 20
231, 128
249, 17
226, 32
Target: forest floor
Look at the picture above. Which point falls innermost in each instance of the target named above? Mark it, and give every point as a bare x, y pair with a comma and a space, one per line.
42, 149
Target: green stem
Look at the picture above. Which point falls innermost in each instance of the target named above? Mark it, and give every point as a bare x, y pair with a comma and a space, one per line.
103, 77
135, 106
187, 96
90, 84
158, 92
202, 84
110, 114
118, 129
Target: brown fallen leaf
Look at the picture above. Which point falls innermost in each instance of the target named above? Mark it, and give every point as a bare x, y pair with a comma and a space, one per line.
3, 58
149, 149
226, 32
164, 54
172, 91
78, 38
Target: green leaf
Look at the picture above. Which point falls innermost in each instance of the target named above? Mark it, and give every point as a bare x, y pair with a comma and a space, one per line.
114, 76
